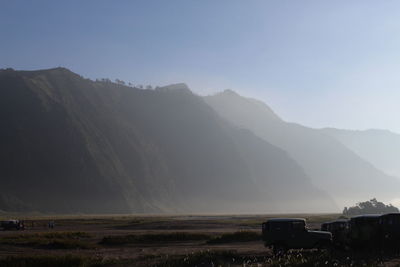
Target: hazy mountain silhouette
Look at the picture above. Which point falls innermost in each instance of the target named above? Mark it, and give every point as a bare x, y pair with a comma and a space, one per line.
380, 147
70, 144
280, 177
330, 164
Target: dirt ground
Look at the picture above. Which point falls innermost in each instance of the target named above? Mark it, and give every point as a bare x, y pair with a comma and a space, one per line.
91, 230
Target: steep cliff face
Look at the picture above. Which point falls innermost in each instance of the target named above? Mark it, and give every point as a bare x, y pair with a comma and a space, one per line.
69, 144
45, 159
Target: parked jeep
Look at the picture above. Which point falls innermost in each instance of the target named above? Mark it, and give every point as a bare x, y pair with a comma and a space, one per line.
365, 231
12, 225
389, 231
285, 233
339, 230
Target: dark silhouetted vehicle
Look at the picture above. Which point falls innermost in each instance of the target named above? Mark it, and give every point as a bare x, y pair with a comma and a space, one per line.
339, 230
389, 231
364, 231
12, 225
375, 232
285, 233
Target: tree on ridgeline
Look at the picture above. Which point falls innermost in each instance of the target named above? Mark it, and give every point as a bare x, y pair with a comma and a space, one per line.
120, 82
372, 206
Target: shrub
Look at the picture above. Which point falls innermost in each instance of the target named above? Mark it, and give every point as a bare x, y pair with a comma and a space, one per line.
240, 236
46, 261
203, 258
52, 240
153, 238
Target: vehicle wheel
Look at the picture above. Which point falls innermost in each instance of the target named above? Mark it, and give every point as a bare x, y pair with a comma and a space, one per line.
279, 249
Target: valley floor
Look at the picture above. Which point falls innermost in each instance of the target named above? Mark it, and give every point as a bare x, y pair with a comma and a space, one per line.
140, 240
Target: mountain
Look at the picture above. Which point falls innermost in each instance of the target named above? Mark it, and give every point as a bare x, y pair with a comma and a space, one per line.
279, 177
70, 144
380, 147
331, 165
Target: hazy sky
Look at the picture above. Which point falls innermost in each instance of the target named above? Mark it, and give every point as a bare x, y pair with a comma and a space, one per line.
320, 63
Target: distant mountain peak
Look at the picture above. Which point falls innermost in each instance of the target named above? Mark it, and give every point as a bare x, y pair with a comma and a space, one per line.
31, 73
230, 97
229, 92
61, 69
176, 87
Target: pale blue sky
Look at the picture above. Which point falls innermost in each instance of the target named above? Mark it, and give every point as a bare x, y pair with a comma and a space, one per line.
320, 63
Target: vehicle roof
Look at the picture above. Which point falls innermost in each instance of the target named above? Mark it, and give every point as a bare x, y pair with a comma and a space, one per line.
286, 220
366, 216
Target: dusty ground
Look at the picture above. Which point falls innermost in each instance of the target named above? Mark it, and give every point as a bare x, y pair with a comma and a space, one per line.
154, 252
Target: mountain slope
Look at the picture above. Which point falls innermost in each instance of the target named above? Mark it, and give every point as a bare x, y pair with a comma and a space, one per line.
380, 147
331, 165
74, 145
279, 177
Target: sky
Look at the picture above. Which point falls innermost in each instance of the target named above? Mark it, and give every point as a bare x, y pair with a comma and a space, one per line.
319, 63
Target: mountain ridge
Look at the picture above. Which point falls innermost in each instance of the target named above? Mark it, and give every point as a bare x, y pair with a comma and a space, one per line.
328, 162
380, 147
76, 145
